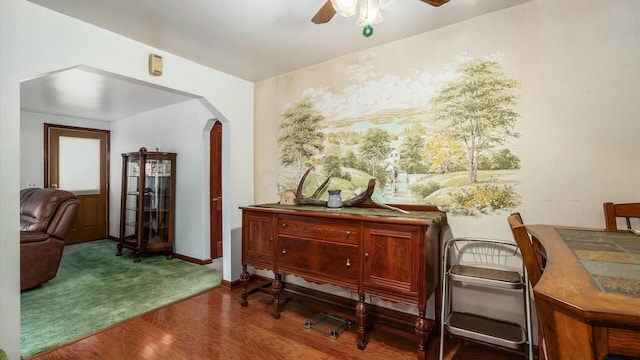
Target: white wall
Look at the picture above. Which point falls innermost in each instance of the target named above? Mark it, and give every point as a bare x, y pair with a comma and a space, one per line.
34, 41
182, 129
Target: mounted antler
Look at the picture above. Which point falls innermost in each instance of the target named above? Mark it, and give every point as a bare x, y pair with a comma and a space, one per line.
363, 197
313, 200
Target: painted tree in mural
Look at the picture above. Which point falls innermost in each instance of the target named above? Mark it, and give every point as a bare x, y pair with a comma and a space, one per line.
300, 136
411, 155
375, 147
477, 109
332, 166
501, 159
443, 153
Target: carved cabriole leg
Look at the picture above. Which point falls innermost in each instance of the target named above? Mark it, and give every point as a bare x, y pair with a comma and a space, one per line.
277, 289
244, 280
421, 329
361, 315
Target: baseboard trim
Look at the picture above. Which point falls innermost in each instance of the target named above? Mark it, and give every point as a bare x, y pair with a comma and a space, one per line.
235, 283
180, 256
193, 260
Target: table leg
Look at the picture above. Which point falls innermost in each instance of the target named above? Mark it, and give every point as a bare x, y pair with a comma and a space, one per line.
277, 290
421, 329
361, 315
244, 280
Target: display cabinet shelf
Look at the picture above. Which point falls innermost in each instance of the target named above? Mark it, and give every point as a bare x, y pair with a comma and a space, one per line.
147, 212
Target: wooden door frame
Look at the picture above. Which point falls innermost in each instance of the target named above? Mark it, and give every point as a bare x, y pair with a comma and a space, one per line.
215, 187
107, 133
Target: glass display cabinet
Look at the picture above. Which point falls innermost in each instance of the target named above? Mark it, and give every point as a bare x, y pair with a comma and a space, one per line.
147, 210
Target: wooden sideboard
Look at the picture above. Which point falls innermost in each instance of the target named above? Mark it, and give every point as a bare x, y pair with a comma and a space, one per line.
371, 251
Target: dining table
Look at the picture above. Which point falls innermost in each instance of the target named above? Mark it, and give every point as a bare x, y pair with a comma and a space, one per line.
588, 298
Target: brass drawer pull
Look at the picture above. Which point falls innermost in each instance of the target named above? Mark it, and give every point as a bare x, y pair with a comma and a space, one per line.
284, 226
271, 238
284, 251
366, 255
348, 233
348, 263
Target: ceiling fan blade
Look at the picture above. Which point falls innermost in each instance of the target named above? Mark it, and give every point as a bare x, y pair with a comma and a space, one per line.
435, 2
325, 13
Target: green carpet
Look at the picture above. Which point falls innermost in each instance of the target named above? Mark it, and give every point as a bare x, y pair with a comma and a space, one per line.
95, 289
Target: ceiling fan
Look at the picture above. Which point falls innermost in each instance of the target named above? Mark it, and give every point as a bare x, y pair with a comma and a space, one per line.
327, 11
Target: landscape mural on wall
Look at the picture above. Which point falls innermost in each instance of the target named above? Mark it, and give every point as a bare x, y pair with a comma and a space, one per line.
436, 139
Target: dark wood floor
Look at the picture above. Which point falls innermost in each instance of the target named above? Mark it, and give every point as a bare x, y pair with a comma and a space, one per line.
213, 325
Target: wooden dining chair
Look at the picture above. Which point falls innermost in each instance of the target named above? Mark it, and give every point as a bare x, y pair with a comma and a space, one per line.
534, 260
613, 211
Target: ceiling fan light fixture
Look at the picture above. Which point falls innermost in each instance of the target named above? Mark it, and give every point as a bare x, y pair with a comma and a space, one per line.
345, 8
386, 4
369, 13
367, 31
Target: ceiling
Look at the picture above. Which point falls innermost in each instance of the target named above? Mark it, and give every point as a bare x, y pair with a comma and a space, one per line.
250, 39
87, 93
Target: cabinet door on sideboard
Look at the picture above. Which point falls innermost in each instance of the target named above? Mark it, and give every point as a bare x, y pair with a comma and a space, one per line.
258, 243
393, 255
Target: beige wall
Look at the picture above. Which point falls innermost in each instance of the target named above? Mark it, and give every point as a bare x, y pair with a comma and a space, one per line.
577, 64
577, 61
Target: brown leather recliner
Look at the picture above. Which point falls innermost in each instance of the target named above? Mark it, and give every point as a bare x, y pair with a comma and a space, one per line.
46, 217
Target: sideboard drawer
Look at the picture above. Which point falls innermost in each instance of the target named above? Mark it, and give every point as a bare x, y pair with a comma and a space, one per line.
343, 231
319, 258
